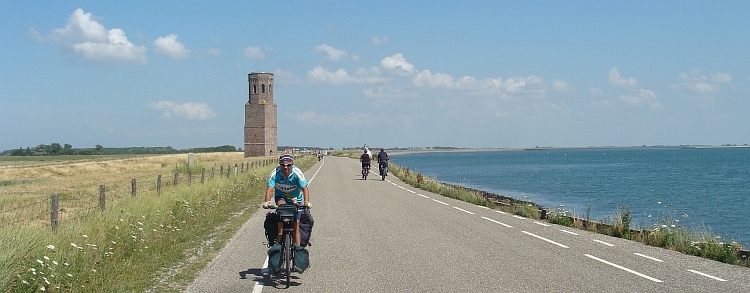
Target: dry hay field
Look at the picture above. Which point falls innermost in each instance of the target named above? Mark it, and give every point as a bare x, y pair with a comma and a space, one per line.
76, 179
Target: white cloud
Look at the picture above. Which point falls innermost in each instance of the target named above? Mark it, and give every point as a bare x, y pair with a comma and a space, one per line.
88, 39
332, 54
341, 76
171, 47
615, 79
254, 53
644, 97
596, 92
700, 84
380, 41
561, 86
398, 64
187, 111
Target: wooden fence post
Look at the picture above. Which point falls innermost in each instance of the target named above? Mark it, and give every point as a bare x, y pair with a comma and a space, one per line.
212, 172
221, 170
203, 174
102, 198
229, 171
190, 177
53, 214
158, 183
132, 187
176, 176
235, 170
242, 168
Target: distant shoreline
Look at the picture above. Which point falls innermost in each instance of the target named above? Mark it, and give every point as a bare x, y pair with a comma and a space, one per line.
461, 150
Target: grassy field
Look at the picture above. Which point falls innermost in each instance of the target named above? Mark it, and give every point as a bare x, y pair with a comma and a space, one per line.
149, 242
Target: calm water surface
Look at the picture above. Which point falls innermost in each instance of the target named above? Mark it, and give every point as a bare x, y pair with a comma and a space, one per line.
709, 186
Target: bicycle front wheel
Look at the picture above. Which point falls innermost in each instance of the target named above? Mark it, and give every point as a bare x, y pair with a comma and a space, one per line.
288, 250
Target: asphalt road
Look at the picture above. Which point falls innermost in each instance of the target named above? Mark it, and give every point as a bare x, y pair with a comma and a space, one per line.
385, 236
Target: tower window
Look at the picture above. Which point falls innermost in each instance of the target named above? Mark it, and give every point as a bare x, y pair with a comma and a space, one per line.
270, 88
263, 88
255, 91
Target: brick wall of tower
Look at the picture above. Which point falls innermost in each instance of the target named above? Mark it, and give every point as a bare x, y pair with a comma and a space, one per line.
260, 117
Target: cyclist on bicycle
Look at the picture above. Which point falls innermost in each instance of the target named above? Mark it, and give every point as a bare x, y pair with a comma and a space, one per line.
287, 185
365, 160
383, 160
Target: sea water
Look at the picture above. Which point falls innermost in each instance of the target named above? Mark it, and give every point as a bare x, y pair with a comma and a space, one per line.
702, 188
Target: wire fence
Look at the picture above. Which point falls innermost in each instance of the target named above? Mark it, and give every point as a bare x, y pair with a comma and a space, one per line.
56, 208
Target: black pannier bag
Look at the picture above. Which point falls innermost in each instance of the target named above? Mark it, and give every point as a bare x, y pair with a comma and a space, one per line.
271, 227
305, 228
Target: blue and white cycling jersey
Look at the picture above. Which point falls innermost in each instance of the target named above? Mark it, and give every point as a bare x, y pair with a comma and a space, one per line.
287, 188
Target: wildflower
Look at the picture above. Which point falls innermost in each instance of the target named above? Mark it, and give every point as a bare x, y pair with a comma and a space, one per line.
118, 228
672, 226
685, 216
65, 264
74, 245
46, 258
69, 275
658, 202
139, 223
24, 282
114, 242
85, 236
93, 270
46, 281
54, 262
51, 247
40, 262
42, 289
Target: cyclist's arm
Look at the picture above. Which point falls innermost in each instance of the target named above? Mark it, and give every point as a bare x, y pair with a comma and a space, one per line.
305, 194
269, 193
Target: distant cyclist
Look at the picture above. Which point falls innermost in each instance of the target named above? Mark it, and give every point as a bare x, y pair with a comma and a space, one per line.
365, 159
287, 185
383, 160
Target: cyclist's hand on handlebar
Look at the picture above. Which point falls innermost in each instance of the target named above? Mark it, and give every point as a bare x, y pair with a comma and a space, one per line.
308, 205
268, 204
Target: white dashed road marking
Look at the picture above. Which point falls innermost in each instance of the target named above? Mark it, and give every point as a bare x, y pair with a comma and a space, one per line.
624, 268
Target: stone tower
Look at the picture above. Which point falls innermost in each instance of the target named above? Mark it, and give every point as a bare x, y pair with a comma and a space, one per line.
260, 116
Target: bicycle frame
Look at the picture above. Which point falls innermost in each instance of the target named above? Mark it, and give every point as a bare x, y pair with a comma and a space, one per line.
287, 214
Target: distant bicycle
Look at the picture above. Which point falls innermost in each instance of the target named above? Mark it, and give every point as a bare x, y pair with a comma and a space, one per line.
383, 168
365, 171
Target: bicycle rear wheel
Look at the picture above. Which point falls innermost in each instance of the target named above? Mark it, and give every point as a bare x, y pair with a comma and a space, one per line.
288, 257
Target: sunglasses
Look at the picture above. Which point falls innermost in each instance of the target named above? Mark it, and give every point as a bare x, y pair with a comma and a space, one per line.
286, 165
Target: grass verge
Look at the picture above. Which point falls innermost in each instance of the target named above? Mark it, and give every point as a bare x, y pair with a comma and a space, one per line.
145, 243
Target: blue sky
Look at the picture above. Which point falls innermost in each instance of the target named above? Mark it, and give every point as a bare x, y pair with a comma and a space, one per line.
382, 73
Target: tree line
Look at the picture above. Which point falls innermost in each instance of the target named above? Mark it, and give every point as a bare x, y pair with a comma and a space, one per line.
55, 149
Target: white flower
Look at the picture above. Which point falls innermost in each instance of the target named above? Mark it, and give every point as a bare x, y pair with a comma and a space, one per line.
51, 247
45, 280
85, 236
40, 262
42, 289
74, 245
69, 275
54, 262
46, 258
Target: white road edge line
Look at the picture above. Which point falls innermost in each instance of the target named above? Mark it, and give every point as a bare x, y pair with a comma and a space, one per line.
605, 243
463, 210
545, 239
707, 275
439, 201
572, 233
259, 285
504, 213
422, 195
410, 191
519, 217
624, 268
541, 224
649, 257
497, 222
